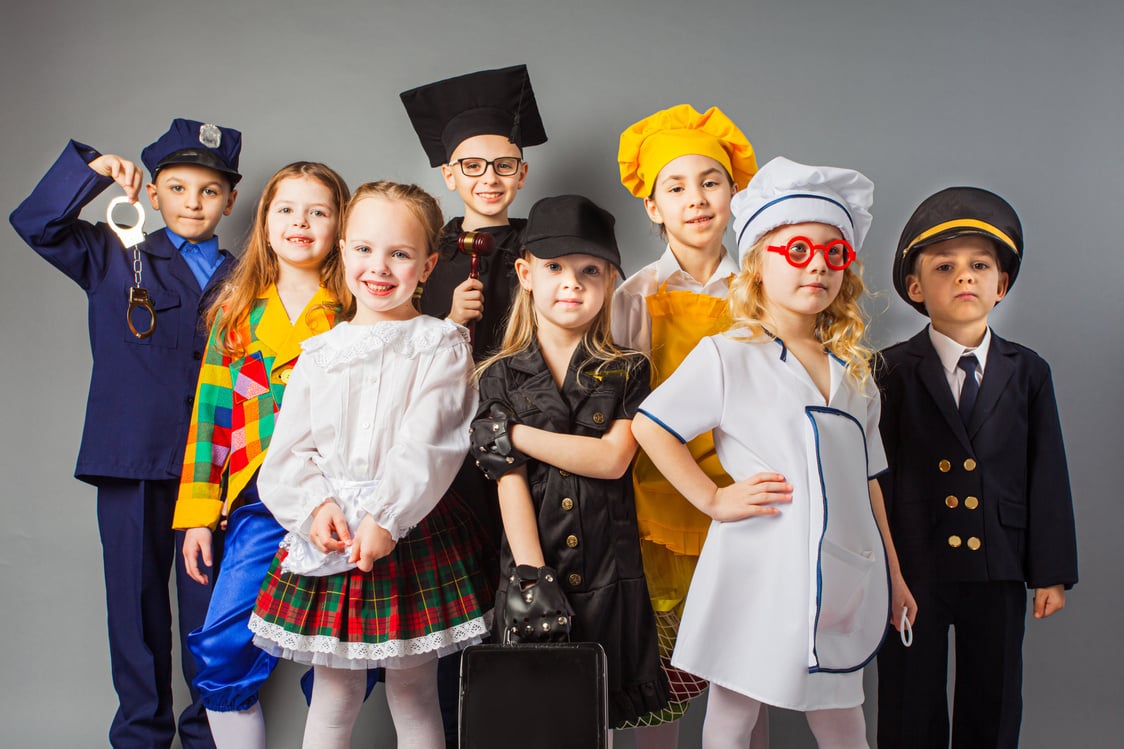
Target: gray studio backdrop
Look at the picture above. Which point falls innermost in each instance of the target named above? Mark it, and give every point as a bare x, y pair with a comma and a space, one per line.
1021, 96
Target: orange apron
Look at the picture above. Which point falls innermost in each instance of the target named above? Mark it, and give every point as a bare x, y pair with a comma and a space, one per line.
672, 528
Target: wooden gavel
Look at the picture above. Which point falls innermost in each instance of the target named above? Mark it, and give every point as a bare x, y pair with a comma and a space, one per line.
475, 244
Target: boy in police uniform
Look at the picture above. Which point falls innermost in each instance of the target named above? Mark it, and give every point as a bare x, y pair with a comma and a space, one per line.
475, 127
141, 391
978, 491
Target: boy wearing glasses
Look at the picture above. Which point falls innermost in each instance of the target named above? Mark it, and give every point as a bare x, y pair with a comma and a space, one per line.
475, 127
977, 490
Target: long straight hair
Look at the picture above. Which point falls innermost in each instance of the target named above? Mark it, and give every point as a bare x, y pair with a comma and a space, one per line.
258, 268
523, 328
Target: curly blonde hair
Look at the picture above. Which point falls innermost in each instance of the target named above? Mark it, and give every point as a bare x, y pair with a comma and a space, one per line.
839, 328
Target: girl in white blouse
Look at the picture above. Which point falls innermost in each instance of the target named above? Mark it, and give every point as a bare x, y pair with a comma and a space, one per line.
792, 591
382, 565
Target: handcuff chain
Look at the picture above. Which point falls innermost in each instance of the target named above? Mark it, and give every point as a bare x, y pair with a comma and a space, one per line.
136, 266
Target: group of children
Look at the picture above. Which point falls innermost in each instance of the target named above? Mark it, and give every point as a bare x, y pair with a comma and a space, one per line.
693, 468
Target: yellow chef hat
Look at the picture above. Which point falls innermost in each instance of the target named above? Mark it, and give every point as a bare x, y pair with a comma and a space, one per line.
650, 144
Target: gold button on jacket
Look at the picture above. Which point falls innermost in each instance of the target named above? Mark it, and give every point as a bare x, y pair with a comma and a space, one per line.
971, 503
954, 542
572, 541
969, 465
945, 466
951, 502
574, 579
567, 504
974, 543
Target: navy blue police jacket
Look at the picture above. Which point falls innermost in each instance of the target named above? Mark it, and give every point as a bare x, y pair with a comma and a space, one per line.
989, 501
141, 390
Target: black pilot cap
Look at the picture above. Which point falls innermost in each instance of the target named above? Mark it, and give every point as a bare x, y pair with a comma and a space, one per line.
571, 225
489, 102
957, 212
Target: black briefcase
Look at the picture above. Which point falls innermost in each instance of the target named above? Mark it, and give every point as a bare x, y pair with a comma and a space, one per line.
548, 696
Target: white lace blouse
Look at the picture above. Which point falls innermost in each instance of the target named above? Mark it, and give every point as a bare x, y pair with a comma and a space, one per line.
380, 411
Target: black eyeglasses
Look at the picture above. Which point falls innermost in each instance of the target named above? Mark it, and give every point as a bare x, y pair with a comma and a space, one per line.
505, 166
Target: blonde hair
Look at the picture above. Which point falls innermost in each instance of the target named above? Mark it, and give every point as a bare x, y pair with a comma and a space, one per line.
258, 268
420, 203
839, 327
523, 327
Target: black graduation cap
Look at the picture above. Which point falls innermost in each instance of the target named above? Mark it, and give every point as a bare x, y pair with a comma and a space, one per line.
488, 102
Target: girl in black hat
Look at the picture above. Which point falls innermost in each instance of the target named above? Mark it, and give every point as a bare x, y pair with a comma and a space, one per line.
554, 428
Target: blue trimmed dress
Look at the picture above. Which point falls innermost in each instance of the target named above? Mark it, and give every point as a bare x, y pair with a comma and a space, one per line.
785, 609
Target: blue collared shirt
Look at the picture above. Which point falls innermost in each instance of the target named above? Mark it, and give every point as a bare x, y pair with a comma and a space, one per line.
203, 257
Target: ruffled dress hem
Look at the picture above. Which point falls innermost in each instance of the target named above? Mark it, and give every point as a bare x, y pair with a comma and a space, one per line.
324, 650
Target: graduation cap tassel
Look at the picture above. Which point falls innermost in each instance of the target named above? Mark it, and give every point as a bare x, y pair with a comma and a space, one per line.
516, 136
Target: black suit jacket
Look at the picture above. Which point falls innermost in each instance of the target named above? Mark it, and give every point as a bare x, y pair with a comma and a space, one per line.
989, 501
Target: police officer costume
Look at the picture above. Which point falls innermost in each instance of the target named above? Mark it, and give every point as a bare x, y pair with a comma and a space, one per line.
979, 510
137, 414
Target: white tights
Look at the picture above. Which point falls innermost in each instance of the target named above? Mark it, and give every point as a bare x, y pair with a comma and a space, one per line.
666, 735
730, 718
238, 729
411, 695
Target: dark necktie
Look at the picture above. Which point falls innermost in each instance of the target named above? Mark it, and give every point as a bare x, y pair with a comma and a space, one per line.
971, 388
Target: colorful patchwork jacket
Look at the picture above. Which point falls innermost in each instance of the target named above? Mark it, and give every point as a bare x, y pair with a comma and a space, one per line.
236, 403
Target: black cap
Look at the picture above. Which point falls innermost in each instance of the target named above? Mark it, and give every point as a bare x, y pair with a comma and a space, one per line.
957, 212
571, 225
200, 143
489, 102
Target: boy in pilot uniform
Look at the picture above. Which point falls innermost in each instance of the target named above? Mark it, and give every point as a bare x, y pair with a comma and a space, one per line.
141, 390
977, 491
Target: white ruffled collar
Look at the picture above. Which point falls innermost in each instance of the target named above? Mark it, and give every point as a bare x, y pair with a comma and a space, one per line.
347, 343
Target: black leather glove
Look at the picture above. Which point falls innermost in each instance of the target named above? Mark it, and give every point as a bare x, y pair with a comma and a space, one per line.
536, 608
491, 444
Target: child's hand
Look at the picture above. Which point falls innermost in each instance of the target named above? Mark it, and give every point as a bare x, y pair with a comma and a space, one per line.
902, 598
122, 171
196, 545
1048, 601
372, 543
468, 302
329, 531
745, 498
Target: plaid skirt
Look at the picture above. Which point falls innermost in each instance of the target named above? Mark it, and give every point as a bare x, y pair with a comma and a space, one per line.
427, 598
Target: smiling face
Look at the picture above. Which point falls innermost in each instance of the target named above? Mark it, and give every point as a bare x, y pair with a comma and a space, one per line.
385, 256
959, 281
191, 199
567, 292
691, 200
301, 223
799, 293
487, 197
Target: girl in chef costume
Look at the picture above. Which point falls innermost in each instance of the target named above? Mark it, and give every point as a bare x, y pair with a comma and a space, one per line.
792, 591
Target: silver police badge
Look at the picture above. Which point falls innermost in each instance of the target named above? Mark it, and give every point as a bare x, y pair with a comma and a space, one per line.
210, 135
